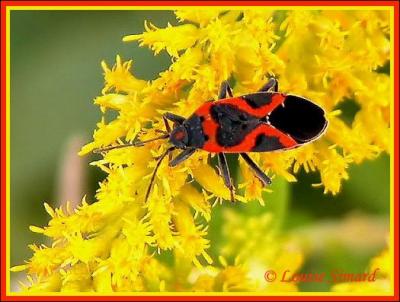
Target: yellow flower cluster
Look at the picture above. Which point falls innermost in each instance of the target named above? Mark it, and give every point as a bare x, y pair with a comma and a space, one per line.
112, 244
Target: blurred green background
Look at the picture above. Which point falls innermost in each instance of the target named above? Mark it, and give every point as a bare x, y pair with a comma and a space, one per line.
56, 73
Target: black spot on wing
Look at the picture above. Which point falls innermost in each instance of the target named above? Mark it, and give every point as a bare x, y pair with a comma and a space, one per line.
258, 100
234, 124
266, 143
300, 118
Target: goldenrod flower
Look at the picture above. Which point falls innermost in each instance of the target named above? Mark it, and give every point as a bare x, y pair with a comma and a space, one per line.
112, 244
253, 242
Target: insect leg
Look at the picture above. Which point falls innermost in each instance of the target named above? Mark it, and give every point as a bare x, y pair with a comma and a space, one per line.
153, 176
174, 118
259, 173
134, 144
223, 165
181, 157
272, 83
225, 89
167, 126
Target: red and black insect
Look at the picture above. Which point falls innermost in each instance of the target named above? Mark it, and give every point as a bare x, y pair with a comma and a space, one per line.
258, 122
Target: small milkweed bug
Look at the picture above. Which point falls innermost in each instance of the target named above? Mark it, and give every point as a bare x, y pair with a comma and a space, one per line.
258, 122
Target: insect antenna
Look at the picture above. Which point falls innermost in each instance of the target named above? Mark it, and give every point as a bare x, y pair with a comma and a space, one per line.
134, 144
160, 159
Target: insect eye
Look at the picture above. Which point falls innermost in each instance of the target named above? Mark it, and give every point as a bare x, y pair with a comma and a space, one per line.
179, 135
